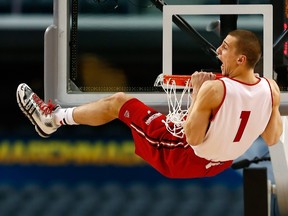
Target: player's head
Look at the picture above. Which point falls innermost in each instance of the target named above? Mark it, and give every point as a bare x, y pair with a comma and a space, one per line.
240, 49
248, 44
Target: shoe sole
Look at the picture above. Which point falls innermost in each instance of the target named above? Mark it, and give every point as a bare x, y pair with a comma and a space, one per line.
29, 116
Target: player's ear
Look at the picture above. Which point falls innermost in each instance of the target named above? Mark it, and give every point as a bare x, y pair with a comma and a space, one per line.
241, 59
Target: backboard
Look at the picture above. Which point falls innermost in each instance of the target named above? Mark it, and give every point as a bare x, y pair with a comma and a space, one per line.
107, 54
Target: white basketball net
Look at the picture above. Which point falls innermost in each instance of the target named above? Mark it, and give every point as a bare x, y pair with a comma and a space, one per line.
177, 111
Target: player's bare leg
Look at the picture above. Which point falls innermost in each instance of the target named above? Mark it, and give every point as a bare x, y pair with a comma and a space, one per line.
100, 112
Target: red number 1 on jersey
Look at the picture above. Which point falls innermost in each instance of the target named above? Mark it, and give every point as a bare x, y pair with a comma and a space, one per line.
244, 119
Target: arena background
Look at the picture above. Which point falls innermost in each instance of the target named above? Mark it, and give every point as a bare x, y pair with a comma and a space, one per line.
86, 170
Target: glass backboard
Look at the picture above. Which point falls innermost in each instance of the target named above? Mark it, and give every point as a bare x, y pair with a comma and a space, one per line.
88, 56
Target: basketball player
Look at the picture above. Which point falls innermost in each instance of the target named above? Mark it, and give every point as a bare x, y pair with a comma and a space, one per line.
227, 115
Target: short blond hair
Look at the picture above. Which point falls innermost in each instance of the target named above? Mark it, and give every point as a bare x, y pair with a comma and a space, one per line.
249, 45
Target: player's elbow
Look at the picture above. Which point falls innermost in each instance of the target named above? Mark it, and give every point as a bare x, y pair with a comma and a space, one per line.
192, 137
272, 139
273, 131
193, 140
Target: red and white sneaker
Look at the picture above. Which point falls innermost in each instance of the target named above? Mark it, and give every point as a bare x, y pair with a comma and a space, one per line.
39, 113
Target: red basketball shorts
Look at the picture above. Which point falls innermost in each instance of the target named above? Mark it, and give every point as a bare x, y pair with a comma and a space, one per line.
170, 155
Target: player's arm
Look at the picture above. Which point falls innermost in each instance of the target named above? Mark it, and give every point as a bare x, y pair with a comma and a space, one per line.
208, 98
274, 128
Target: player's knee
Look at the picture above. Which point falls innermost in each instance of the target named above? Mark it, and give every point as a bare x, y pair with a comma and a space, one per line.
121, 97
118, 99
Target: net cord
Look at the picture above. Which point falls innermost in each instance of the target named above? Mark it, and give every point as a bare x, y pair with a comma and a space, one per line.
177, 111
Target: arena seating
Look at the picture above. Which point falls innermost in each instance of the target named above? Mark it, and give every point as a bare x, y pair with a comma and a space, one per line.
112, 198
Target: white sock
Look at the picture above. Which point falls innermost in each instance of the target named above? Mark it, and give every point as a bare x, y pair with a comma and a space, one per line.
64, 116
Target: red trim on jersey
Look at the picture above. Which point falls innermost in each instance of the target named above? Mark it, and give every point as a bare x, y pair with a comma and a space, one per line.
270, 90
249, 84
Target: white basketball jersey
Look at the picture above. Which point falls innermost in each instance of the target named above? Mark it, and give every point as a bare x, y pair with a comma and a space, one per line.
241, 118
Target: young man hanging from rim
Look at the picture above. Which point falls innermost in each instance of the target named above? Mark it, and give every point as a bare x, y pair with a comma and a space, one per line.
226, 116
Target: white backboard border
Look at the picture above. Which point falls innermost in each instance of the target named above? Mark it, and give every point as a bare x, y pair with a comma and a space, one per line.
265, 10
